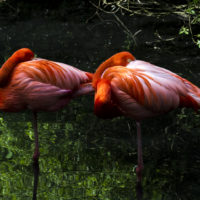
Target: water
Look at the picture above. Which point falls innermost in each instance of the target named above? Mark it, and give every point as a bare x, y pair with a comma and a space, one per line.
83, 157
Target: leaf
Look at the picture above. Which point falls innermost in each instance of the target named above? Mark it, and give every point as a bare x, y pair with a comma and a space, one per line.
9, 155
198, 43
184, 30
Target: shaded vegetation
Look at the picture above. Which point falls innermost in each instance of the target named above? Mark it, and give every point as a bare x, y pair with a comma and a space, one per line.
187, 11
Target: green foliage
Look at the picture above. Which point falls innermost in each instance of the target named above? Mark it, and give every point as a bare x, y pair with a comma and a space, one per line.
66, 163
80, 161
184, 30
189, 13
192, 12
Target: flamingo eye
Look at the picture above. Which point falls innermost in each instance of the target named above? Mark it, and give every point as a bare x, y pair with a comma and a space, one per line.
129, 60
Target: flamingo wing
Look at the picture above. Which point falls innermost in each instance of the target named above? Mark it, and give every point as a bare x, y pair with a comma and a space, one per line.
35, 96
55, 73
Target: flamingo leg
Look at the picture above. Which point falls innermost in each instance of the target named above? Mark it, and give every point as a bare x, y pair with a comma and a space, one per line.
36, 175
35, 128
139, 151
35, 157
139, 190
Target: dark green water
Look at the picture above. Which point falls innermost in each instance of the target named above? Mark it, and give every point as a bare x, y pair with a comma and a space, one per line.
83, 157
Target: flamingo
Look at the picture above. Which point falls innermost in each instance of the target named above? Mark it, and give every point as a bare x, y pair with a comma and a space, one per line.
39, 85
138, 89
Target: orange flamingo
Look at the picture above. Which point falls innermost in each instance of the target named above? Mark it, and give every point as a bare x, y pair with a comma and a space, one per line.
138, 89
39, 85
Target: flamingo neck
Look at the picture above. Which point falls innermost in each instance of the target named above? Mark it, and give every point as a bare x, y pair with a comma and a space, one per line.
104, 106
97, 76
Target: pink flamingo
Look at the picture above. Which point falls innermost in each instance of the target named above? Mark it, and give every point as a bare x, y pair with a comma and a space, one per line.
39, 85
138, 89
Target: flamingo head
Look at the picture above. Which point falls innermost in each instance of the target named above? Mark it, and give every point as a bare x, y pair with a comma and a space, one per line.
119, 59
122, 59
23, 55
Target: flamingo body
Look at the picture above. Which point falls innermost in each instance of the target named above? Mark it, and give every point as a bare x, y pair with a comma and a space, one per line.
141, 90
42, 85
